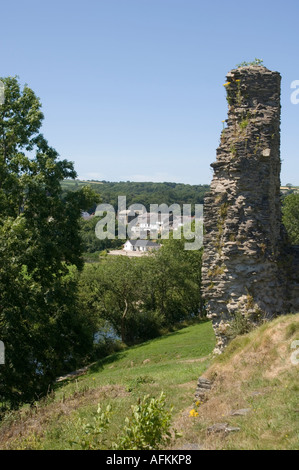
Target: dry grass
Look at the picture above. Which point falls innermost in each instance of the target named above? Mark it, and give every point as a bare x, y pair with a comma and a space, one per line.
34, 421
256, 373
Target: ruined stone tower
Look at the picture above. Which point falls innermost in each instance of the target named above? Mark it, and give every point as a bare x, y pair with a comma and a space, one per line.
247, 259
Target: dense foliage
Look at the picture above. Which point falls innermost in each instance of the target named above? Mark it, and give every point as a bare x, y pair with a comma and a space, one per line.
291, 217
40, 324
139, 296
92, 244
144, 193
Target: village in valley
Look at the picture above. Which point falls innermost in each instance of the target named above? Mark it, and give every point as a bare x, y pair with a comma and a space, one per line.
146, 228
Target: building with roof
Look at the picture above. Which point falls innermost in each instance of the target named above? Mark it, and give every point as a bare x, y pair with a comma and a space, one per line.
141, 245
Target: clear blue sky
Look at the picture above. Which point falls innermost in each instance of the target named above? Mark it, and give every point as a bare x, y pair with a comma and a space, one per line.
133, 89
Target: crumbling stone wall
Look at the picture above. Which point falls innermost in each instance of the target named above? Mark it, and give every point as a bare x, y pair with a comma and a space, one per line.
247, 262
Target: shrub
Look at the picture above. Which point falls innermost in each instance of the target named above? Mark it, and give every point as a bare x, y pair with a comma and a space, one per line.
91, 435
149, 426
240, 325
143, 326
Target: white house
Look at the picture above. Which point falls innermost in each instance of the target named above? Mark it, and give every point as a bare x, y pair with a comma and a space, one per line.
141, 245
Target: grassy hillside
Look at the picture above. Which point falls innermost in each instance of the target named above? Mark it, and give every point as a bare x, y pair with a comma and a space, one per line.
171, 364
256, 373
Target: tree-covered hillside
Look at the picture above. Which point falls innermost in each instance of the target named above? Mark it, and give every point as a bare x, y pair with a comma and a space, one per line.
142, 193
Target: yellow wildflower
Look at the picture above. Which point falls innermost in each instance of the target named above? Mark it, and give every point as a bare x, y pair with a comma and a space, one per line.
193, 413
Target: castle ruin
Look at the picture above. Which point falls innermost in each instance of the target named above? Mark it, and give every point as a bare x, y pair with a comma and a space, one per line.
249, 267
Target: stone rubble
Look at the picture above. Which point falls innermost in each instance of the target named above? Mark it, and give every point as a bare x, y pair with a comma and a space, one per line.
202, 389
222, 428
241, 412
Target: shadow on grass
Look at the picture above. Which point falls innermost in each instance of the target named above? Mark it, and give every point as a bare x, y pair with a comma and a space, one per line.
115, 357
99, 365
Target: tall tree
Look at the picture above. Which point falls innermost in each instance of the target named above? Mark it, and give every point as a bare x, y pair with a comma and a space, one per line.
175, 283
39, 239
115, 291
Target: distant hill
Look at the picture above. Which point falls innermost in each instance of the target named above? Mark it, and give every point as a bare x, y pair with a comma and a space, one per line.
143, 193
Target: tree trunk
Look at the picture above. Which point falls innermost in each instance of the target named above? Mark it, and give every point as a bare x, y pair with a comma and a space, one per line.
123, 319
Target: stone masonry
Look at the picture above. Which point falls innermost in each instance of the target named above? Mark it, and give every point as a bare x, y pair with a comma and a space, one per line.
249, 268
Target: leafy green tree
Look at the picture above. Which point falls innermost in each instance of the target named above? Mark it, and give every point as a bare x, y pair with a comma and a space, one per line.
290, 210
175, 282
112, 289
40, 325
91, 243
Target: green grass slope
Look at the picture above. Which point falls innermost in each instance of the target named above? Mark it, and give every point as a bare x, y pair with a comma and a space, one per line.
258, 373
171, 364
